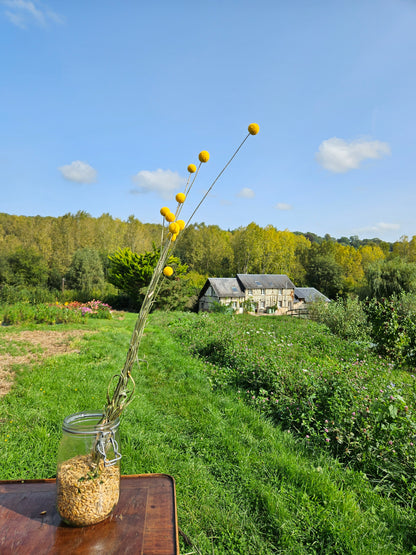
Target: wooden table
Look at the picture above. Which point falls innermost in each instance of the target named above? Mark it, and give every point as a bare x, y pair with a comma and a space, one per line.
143, 523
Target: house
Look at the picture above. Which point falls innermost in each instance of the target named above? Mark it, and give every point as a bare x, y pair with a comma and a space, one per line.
272, 293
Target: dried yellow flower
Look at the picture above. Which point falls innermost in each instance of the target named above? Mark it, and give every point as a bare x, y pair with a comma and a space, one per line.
174, 236
174, 228
203, 156
180, 197
181, 224
191, 168
253, 128
167, 271
164, 210
170, 217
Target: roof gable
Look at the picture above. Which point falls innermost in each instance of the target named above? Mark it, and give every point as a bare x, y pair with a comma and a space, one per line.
309, 294
224, 287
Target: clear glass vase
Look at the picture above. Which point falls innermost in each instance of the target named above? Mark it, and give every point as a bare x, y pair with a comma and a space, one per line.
88, 473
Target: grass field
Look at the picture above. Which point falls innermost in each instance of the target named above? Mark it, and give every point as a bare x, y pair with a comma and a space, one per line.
245, 483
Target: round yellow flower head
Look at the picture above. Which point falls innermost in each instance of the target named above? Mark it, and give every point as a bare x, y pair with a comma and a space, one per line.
191, 168
164, 210
170, 217
167, 271
174, 236
253, 128
181, 224
203, 156
180, 197
174, 227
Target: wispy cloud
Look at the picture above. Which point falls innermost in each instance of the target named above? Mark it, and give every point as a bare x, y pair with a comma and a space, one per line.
78, 171
381, 227
283, 206
339, 156
246, 192
163, 182
23, 13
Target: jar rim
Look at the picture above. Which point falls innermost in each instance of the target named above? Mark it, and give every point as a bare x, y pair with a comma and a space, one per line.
85, 423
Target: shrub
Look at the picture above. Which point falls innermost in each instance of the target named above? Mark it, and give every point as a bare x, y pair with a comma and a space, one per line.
46, 313
392, 329
344, 317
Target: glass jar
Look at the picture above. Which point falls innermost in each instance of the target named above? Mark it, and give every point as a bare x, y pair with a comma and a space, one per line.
88, 473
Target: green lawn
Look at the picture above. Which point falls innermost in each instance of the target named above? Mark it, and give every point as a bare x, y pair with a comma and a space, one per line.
244, 486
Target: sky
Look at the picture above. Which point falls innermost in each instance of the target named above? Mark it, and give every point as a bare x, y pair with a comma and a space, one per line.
104, 104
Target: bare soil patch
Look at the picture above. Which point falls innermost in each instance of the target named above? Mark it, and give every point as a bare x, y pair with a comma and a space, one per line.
29, 347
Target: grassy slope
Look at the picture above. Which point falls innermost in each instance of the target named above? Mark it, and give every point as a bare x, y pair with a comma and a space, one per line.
243, 485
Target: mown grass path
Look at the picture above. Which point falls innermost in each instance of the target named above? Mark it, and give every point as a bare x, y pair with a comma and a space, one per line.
243, 485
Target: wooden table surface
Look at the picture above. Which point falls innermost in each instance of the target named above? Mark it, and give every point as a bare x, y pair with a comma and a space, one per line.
143, 523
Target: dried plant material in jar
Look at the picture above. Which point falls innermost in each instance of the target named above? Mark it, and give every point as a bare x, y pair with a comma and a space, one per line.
86, 492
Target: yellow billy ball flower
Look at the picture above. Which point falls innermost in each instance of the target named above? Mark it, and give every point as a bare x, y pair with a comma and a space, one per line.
180, 197
191, 168
174, 236
174, 227
253, 128
170, 217
167, 271
203, 156
181, 224
165, 210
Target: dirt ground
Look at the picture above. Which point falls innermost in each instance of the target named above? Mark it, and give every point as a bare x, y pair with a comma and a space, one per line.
28, 347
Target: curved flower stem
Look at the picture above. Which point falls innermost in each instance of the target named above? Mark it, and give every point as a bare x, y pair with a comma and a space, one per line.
122, 395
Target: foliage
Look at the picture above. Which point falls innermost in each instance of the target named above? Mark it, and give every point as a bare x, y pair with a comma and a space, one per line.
243, 486
344, 317
131, 273
44, 248
390, 277
10, 294
332, 393
86, 271
322, 270
23, 267
24, 312
393, 328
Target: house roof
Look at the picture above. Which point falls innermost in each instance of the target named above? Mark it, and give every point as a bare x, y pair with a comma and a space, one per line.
224, 287
265, 281
309, 294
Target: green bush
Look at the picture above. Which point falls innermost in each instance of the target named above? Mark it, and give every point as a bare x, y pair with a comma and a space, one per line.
44, 313
393, 328
344, 317
10, 294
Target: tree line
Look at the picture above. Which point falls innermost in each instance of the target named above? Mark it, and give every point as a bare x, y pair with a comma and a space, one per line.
75, 251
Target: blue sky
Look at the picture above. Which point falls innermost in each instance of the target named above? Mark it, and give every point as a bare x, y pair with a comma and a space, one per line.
104, 104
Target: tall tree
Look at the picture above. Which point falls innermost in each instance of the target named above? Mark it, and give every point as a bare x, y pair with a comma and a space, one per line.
86, 271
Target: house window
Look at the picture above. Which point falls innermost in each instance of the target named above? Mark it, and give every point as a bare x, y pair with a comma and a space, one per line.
250, 291
263, 292
280, 304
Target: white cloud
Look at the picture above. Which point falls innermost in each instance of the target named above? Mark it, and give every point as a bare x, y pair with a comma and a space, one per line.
246, 192
283, 206
339, 156
78, 171
24, 12
380, 227
162, 182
